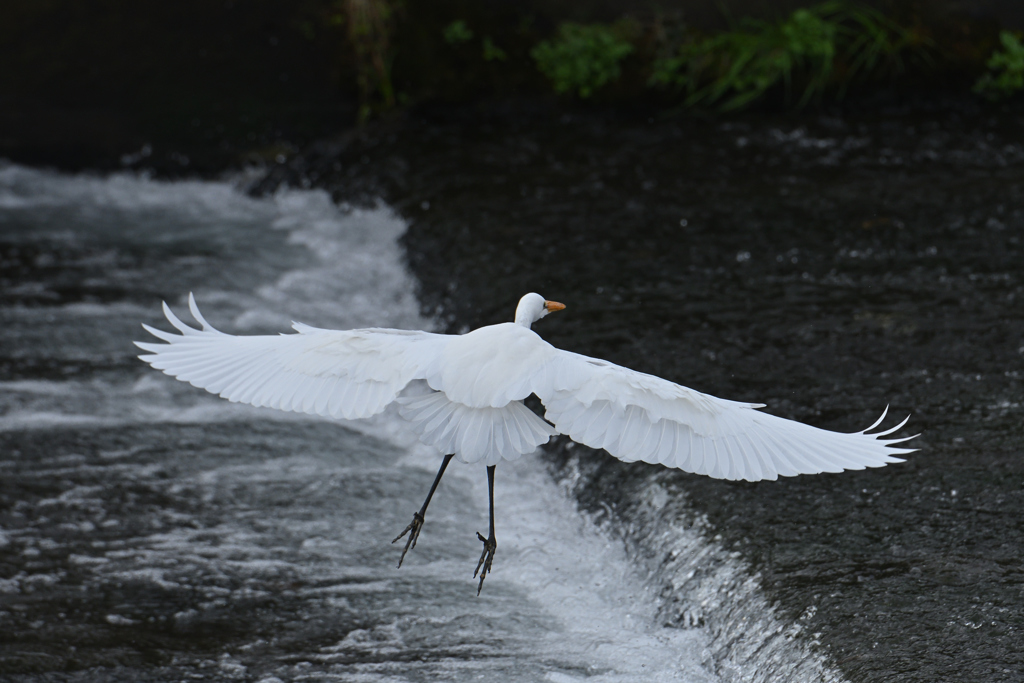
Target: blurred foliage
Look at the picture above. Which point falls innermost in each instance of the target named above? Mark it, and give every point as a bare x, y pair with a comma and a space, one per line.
827, 45
492, 53
369, 25
583, 58
1005, 76
457, 32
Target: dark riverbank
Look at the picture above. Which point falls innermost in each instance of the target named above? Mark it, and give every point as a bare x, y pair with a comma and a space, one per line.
826, 266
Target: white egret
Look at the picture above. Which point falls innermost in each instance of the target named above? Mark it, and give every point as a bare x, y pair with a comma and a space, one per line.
475, 411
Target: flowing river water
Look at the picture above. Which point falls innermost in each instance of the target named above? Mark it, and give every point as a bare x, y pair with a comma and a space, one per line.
827, 267
149, 531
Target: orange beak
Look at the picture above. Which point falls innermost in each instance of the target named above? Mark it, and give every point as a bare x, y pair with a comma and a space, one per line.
552, 306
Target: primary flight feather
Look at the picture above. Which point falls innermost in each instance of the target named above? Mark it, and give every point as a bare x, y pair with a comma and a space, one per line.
475, 411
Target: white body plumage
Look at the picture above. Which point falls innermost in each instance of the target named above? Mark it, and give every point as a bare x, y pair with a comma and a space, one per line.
479, 381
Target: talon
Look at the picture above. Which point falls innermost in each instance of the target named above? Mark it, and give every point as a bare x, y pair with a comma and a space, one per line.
486, 558
414, 532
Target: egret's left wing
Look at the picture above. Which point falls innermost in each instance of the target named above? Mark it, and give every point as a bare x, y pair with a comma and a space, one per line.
337, 373
635, 416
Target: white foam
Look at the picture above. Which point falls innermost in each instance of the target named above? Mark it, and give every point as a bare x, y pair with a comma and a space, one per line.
562, 560
750, 639
184, 201
356, 277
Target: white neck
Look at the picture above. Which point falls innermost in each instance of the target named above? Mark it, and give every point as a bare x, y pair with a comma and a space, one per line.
523, 318
530, 310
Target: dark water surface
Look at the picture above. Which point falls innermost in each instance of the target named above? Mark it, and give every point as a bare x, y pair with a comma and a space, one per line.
825, 266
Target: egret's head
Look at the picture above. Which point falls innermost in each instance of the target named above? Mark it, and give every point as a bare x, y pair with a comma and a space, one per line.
533, 307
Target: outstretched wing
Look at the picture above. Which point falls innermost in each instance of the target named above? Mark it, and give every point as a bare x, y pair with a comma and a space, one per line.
343, 374
635, 416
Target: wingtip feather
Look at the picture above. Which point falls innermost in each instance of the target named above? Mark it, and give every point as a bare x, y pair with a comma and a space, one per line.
889, 442
178, 325
893, 429
194, 310
160, 334
878, 421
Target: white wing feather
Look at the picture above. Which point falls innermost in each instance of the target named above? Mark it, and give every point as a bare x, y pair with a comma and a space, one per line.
342, 374
486, 434
635, 416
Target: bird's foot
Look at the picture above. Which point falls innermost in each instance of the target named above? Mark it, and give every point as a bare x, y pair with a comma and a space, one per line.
486, 557
414, 532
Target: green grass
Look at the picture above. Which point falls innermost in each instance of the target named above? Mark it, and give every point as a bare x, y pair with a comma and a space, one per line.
582, 58
457, 32
491, 52
1005, 75
826, 46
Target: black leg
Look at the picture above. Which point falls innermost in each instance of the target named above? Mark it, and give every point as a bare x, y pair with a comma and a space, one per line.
417, 517
490, 544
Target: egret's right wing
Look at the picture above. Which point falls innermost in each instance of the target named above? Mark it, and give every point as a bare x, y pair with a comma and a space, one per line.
338, 373
635, 416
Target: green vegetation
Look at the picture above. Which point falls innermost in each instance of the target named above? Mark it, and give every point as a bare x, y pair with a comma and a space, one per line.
583, 58
493, 53
823, 46
813, 53
1005, 76
457, 32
